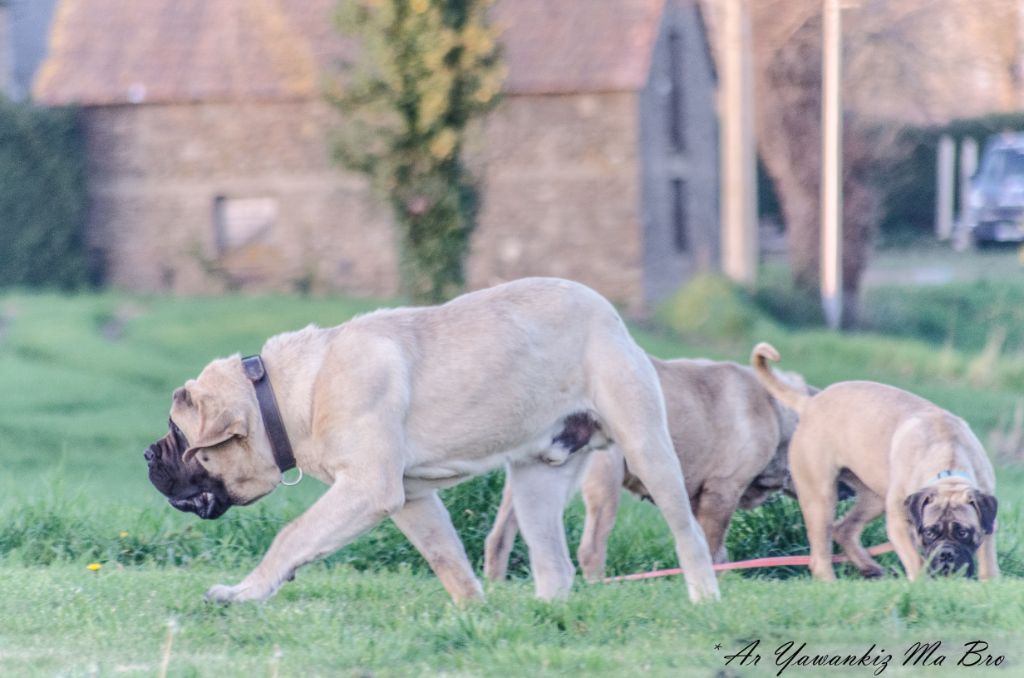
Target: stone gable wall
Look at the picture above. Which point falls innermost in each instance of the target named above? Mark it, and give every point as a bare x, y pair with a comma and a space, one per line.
155, 172
562, 194
561, 198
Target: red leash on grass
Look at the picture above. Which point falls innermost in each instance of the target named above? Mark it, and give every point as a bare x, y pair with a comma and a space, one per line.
778, 561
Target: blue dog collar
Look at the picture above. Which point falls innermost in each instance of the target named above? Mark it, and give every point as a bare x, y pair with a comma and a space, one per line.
949, 473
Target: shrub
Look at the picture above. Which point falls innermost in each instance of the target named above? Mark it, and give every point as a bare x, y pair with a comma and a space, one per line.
42, 198
963, 315
709, 307
777, 296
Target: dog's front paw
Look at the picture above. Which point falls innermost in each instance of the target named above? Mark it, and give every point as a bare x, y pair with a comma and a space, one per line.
222, 593
872, 571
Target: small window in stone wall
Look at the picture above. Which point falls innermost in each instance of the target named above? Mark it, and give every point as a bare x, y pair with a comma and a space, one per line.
679, 225
240, 222
675, 108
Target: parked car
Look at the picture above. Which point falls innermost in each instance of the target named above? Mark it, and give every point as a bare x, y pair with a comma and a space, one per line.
995, 207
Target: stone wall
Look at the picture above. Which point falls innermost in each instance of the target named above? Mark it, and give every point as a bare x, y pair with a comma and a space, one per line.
561, 198
155, 172
562, 193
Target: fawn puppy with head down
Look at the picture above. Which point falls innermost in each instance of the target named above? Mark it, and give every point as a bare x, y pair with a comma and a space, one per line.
905, 457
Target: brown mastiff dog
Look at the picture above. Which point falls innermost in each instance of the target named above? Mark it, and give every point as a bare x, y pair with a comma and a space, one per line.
730, 436
391, 406
905, 457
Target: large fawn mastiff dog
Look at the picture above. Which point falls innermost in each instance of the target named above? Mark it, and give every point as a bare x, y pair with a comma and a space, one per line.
730, 436
391, 406
905, 457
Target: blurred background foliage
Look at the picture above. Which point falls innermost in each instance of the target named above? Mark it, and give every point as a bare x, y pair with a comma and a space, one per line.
43, 198
427, 69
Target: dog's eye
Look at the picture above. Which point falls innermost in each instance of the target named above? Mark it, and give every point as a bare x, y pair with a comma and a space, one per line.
930, 533
961, 533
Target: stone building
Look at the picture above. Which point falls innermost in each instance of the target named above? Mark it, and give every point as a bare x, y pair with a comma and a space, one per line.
209, 166
23, 30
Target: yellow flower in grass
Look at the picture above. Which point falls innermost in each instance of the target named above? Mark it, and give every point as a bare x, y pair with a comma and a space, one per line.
123, 534
420, 6
95, 567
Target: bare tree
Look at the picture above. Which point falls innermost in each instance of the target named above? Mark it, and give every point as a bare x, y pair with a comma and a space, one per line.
788, 83
904, 61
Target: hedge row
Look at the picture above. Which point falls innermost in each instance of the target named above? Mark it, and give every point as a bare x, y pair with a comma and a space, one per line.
42, 198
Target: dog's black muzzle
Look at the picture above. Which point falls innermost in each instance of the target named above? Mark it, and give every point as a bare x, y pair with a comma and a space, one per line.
950, 557
187, 486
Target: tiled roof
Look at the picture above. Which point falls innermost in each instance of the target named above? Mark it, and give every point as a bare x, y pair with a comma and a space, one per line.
133, 51
554, 46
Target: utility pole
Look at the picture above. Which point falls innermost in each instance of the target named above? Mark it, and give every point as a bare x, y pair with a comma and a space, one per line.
832, 168
945, 187
6, 52
968, 167
739, 158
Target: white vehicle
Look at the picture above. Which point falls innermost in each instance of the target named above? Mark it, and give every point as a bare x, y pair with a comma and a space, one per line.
995, 208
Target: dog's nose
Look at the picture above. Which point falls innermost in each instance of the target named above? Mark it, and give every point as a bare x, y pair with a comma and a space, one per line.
150, 455
946, 557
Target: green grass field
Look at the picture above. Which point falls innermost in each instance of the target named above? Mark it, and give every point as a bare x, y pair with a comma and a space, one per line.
85, 385
338, 622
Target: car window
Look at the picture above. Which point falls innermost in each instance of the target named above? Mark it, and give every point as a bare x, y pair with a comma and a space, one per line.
1013, 164
992, 167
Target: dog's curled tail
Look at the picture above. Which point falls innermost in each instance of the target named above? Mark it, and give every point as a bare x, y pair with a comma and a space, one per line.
780, 390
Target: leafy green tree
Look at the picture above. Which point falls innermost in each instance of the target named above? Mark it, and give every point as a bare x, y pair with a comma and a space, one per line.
425, 70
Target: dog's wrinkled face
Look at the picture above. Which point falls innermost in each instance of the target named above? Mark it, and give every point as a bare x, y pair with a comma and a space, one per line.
949, 523
187, 485
216, 454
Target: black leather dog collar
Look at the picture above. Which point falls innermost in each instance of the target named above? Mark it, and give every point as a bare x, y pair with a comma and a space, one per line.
279, 443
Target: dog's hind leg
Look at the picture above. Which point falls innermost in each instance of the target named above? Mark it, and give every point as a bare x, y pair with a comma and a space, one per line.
714, 509
426, 523
849, 529
815, 484
629, 401
653, 461
498, 545
602, 487
539, 495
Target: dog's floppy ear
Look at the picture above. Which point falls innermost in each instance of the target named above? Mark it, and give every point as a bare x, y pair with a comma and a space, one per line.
217, 422
986, 506
182, 397
915, 504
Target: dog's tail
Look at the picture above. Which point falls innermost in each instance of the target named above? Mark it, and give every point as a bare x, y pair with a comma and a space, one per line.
780, 390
